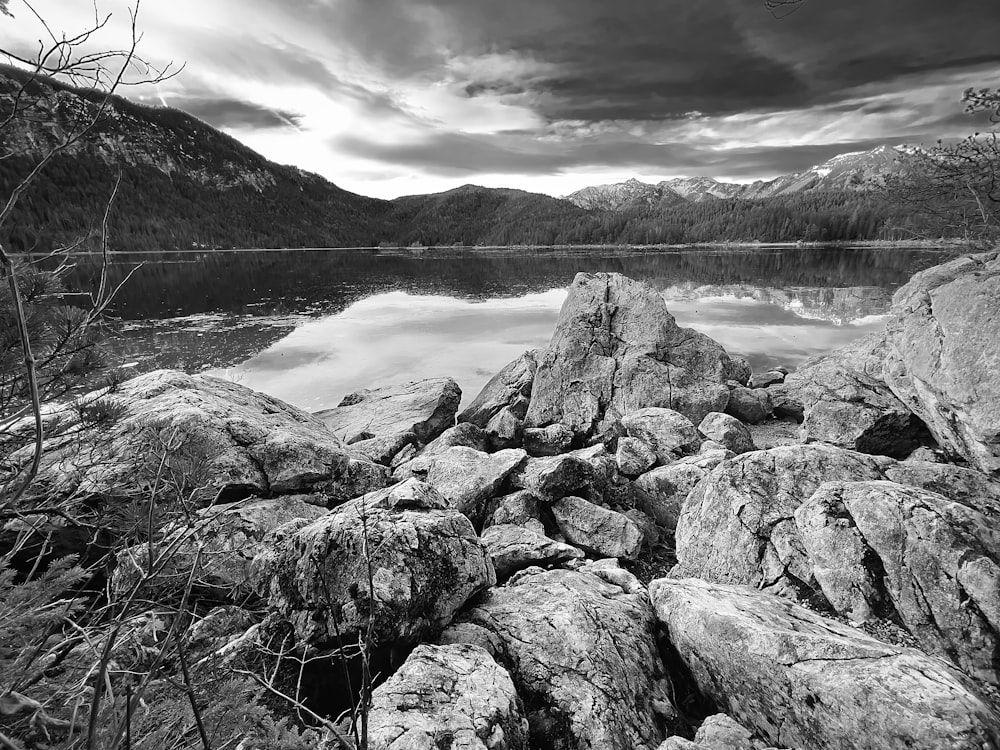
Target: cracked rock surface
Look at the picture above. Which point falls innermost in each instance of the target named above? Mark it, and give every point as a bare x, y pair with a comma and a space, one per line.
944, 355
508, 389
581, 648
935, 563
616, 348
738, 524
426, 562
444, 698
802, 680
239, 438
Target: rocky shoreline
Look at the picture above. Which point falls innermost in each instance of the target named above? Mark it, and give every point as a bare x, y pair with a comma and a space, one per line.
825, 546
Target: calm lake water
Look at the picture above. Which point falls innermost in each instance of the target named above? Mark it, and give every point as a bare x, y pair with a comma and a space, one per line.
310, 326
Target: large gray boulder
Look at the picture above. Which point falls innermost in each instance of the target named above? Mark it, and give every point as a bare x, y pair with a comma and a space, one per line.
231, 441
215, 551
451, 696
738, 524
846, 403
616, 349
466, 477
581, 648
880, 547
943, 357
425, 408
508, 389
425, 558
802, 680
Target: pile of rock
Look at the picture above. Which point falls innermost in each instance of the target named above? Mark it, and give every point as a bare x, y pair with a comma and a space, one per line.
489, 553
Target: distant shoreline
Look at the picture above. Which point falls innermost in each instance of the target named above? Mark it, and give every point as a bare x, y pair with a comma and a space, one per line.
873, 244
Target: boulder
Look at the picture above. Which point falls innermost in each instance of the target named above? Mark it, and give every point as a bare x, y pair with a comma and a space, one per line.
668, 433
769, 378
661, 492
749, 405
581, 648
452, 696
519, 508
504, 430
616, 349
234, 441
514, 548
634, 456
943, 359
508, 389
424, 407
425, 558
738, 524
462, 435
879, 548
740, 372
215, 551
466, 477
548, 441
784, 404
845, 403
553, 477
728, 431
801, 680
603, 532
382, 450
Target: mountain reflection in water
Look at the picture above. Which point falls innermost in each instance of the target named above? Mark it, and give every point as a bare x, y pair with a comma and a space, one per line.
312, 326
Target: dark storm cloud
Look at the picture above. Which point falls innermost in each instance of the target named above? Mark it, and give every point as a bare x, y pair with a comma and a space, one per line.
657, 59
233, 113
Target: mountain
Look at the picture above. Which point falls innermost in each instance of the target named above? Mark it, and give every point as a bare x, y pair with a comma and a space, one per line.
851, 171
184, 183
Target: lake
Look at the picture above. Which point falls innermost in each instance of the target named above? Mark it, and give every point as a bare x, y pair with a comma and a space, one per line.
310, 326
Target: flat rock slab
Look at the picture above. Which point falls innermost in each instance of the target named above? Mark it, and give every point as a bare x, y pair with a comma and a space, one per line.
602, 531
424, 407
236, 441
802, 680
581, 649
616, 348
456, 692
513, 548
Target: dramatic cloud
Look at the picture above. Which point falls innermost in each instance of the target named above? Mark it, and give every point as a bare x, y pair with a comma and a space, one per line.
389, 97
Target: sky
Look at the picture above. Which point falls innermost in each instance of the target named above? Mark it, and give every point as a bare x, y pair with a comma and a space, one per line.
399, 97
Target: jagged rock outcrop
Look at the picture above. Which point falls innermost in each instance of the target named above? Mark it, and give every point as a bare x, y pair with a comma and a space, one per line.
581, 648
513, 548
602, 531
508, 389
466, 477
425, 556
877, 547
845, 402
425, 408
241, 442
802, 680
738, 524
452, 696
943, 360
615, 349
215, 551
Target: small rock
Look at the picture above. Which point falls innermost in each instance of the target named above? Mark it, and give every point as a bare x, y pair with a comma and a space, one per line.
513, 548
668, 433
633, 456
728, 431
462, 435
750, 405
553, 477
508, 389
595, 529
769, 378
519, 508
504, 430
548, 441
